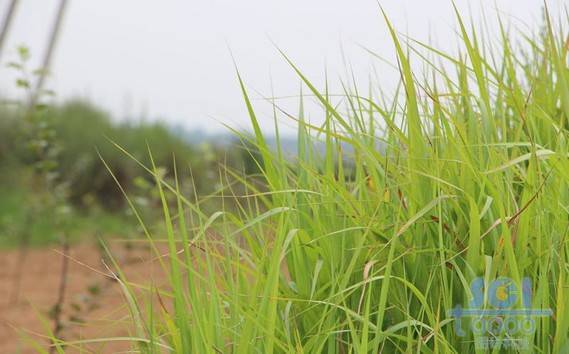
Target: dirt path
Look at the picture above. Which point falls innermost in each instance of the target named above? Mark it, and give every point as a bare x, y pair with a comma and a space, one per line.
94, 306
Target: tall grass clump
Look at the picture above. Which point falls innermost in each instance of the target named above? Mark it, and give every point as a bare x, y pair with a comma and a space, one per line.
371, 243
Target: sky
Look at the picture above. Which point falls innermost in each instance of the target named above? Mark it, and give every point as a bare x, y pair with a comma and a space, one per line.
173, 60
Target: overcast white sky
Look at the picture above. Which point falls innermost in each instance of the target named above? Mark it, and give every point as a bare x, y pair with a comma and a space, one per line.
170, 59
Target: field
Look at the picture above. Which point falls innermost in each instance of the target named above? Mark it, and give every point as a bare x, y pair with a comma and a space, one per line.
92, 307
431, 220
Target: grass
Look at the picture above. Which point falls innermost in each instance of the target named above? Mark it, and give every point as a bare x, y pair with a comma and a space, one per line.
463, 175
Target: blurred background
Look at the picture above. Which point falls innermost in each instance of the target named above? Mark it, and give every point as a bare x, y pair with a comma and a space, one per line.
78, 75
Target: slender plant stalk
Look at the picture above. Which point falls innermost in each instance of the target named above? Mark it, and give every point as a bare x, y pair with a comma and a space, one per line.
61, 292
7, 22
18, 272
48, 55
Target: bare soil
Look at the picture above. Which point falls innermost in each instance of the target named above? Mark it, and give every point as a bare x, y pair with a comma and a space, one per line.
94, 305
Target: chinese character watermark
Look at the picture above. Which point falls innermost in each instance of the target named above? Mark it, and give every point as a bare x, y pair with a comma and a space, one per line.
504, 317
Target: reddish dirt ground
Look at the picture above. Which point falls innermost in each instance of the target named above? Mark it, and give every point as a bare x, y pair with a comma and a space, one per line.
94, 306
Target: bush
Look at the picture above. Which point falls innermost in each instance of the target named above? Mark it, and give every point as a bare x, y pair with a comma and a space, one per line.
84, 132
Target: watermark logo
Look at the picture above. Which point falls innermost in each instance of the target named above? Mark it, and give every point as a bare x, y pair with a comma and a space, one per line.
500, 314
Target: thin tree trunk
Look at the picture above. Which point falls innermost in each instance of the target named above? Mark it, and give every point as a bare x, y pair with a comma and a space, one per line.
18, 271
55, 30
58, 307
7, 22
